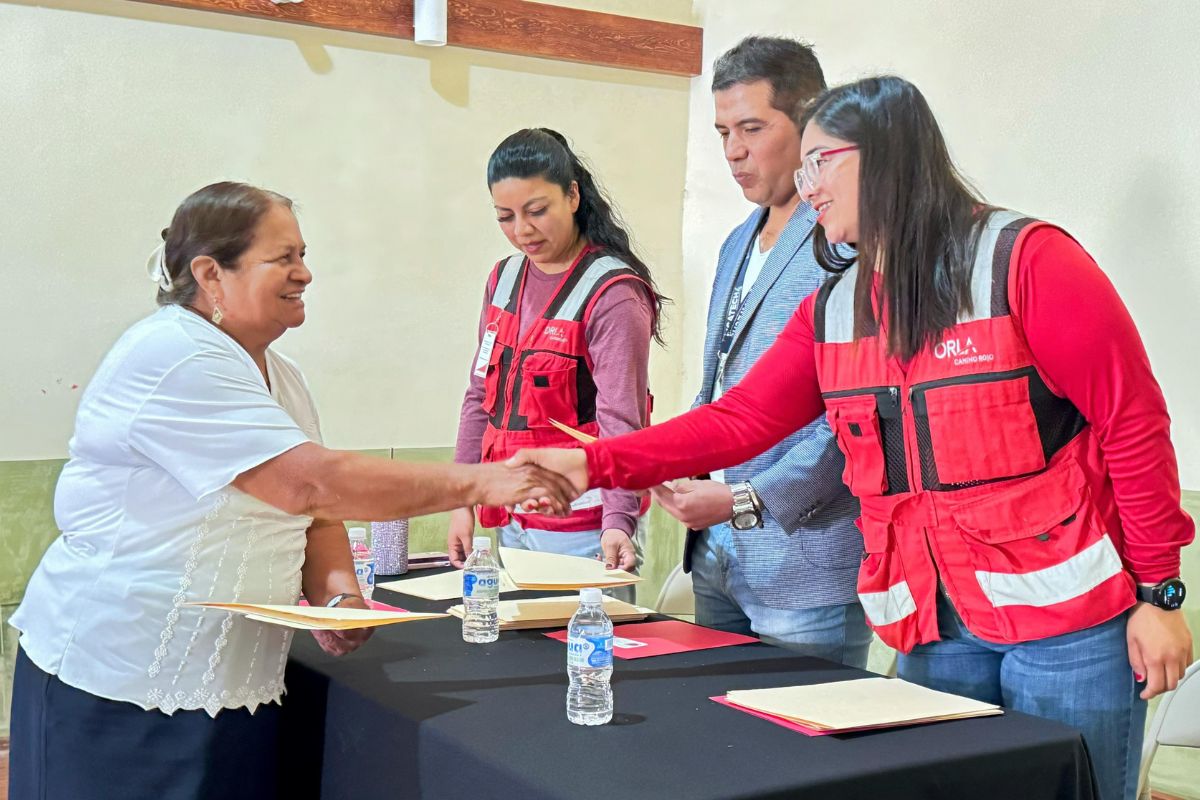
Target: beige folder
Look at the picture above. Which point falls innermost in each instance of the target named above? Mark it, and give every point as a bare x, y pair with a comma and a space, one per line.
318, 618
578, 436
529, 569
861, 704
554, 612
443, 586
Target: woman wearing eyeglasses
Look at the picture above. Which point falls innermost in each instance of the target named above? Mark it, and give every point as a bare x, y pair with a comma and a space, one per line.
1001, 426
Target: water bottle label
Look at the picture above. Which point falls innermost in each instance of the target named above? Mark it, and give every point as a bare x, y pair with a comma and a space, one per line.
590, 651
365, 573
485, 586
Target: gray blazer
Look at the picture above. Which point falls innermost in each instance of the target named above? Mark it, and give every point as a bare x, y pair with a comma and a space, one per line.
808, 552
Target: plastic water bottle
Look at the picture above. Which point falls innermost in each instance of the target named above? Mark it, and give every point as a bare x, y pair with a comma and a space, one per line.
589, 661
364, 562
481, 593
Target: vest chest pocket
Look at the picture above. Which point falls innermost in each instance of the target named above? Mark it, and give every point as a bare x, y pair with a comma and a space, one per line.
855, 422
983, 430
548, 390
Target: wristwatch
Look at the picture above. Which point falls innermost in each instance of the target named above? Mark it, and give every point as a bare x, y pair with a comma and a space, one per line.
337, 599
1167, 595
747, 507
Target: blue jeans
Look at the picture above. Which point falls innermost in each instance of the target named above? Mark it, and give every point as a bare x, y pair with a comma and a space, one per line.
726, 602
1082, 679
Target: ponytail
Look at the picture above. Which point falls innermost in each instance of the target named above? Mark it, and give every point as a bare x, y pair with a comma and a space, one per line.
545, 153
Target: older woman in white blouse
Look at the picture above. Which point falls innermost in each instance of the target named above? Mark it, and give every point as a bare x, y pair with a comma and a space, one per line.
196, 473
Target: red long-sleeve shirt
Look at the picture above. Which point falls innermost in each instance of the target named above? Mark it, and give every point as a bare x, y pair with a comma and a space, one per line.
1084, 342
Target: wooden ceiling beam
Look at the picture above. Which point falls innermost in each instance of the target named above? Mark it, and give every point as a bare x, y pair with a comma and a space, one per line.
518, 27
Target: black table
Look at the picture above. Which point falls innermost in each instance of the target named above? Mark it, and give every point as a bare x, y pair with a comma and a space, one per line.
417, 712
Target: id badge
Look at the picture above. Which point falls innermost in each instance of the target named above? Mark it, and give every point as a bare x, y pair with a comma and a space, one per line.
485, 350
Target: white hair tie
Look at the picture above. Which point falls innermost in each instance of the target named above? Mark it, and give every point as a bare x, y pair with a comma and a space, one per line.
156, 267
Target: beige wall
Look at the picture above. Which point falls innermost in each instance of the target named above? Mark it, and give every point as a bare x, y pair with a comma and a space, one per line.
113, 112
1083, 112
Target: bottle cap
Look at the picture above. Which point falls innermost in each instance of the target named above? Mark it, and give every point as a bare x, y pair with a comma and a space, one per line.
591, 595
358, 533
482, 543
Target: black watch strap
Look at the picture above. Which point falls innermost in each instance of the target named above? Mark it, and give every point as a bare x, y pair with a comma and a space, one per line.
1167, 595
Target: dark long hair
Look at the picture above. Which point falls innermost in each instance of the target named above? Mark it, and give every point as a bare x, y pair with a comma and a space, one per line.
544, 153
918, 217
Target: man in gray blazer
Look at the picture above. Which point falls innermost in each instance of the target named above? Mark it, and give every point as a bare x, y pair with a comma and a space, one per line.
772, 544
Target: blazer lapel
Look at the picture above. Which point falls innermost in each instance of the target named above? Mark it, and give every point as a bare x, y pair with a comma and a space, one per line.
794, 236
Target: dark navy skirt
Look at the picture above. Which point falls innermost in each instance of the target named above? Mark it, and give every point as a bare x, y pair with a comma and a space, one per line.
67, 744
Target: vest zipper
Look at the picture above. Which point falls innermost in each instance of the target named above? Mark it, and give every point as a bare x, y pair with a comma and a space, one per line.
865, 391
916, 393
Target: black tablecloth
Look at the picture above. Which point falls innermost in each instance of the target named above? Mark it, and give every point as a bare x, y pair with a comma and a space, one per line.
417, 712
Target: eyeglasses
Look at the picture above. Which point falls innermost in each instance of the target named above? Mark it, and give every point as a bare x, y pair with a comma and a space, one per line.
810, 170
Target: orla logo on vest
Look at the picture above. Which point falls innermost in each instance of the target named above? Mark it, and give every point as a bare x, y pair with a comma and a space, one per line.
556, 332
962, 351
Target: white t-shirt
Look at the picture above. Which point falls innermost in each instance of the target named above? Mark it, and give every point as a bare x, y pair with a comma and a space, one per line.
150, 522
753, 270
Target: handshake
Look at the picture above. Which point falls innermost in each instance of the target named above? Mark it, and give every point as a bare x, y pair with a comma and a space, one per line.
544, 480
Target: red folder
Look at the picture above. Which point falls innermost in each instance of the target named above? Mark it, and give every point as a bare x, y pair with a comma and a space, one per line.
645, 639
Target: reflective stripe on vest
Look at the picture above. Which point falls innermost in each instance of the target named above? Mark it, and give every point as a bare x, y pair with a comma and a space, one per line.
888, 608
579, 288
1072, 578
989, 297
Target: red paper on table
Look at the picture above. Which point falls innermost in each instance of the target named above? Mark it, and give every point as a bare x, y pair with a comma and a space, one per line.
644, 639
372, 604
791, 725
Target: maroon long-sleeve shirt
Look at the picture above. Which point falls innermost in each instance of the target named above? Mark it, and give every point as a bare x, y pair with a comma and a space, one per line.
618, 341
1083, 340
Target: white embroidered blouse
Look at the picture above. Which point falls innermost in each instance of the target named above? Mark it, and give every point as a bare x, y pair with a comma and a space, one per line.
150, 522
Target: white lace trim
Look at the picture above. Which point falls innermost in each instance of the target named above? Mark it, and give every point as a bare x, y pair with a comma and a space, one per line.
214, 701
185, 583
227, 623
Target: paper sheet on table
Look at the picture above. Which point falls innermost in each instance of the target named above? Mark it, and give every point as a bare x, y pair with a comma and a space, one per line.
443, 586
554, 612
860, 704
550, 571
317, 618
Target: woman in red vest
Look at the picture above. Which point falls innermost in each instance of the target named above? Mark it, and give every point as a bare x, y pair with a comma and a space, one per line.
564, 338
1001, 427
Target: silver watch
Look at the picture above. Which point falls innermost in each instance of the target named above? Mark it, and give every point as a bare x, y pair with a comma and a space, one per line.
747, 507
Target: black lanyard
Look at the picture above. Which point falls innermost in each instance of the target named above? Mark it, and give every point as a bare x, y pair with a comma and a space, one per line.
737, 300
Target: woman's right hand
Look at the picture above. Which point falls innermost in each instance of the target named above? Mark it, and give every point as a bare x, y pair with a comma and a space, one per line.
528, 485
459, 538
571, 464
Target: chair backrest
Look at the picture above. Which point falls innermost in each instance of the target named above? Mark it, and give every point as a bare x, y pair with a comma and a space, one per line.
676, 596
1176, 723
1178, 714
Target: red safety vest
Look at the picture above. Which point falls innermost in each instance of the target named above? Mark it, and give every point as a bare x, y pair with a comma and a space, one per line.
544, 375
971, 470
